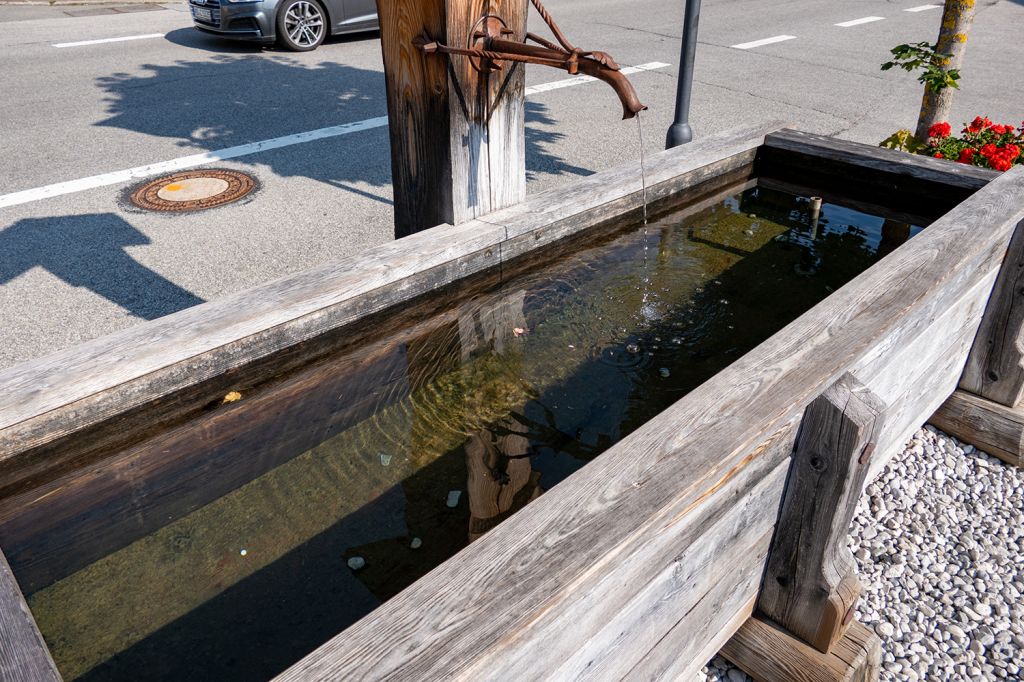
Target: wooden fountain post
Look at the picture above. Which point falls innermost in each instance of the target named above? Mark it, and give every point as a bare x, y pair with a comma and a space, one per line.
806, 629
458, 147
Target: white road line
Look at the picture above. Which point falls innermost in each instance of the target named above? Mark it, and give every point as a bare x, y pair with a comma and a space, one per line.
578, 80
858, 22
922, 8
763, 41
186, 162
109, 40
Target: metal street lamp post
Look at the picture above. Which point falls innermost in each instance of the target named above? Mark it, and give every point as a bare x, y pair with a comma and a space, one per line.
681, 132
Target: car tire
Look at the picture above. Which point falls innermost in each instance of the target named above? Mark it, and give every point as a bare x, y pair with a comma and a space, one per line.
301, 25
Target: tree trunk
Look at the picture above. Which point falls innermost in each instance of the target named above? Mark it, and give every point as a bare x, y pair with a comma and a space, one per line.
957, 18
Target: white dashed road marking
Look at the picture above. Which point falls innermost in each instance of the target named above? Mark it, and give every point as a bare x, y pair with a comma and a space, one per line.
569, 82
763, 41
110, 40
186, 162
858, 22
922, 8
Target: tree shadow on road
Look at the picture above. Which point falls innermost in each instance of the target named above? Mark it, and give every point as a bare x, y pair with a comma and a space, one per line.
246, 96
89, 251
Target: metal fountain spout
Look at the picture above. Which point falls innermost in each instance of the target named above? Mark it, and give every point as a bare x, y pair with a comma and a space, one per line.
491, 43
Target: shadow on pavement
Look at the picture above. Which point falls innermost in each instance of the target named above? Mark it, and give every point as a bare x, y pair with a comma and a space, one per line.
89, 251
240, 96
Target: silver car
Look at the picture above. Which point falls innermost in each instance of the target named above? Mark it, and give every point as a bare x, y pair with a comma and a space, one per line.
299, 25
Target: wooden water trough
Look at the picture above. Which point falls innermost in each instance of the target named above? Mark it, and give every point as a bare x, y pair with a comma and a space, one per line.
720, 524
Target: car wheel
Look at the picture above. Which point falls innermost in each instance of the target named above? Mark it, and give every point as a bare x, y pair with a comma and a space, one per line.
301, 25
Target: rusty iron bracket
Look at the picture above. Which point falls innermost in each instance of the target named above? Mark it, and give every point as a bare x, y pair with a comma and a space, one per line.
492, 42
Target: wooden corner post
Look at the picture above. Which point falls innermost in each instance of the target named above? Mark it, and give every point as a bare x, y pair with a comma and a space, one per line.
986, 410
810, 587
458, 147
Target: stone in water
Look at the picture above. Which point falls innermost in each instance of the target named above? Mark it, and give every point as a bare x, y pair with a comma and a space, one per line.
416, 543
453, 498
356, 563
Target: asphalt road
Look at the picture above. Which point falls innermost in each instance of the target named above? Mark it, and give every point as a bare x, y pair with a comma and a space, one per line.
75, 263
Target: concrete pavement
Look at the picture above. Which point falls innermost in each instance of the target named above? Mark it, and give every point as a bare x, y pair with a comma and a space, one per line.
80, 264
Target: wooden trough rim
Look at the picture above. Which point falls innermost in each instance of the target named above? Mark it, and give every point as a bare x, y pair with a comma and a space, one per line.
537, 574
50, 397
520, 590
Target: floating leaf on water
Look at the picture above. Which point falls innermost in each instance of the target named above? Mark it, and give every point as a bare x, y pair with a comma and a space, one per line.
633, 348
453, 498
356, 563
232, 397
385, 459
243, 552
664, 372
416, 543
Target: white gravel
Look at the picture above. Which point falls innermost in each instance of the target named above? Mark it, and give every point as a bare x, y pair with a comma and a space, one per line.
939, 543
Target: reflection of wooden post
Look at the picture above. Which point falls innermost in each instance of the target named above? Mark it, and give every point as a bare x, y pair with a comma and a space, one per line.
457, 136
810, 586
987, 408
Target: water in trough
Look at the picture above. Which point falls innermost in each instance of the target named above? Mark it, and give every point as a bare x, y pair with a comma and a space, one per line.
230, 547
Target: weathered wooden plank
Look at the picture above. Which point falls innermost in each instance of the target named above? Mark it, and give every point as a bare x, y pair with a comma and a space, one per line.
989, 426
810, 586
769, 654
915, 375
23, 653
609, 622
880, 160
508, 579
995, 369
49, 398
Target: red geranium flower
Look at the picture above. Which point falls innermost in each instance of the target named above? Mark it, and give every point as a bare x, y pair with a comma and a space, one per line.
938, 155
989, 150
1000, 129
941, 129
1012, 151
978, 124
966, 156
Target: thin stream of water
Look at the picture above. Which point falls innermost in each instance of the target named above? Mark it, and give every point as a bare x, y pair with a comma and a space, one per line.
643, 170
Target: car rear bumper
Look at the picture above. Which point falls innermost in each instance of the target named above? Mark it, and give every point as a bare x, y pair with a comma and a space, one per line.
240, 21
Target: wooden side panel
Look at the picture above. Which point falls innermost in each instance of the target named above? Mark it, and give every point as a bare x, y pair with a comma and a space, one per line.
995, 369
23, 653
605, 626
914, 371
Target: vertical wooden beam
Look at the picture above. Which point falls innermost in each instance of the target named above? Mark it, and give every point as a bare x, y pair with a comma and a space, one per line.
23, 653
458, 147
995, 367
810, 586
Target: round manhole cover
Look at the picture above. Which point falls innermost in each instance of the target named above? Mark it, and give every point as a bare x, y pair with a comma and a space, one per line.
193, 190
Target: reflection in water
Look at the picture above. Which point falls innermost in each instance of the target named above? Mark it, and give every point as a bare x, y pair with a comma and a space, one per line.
274, 522
501, 479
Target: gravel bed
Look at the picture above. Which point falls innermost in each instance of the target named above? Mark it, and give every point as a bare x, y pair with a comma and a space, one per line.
939, 542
